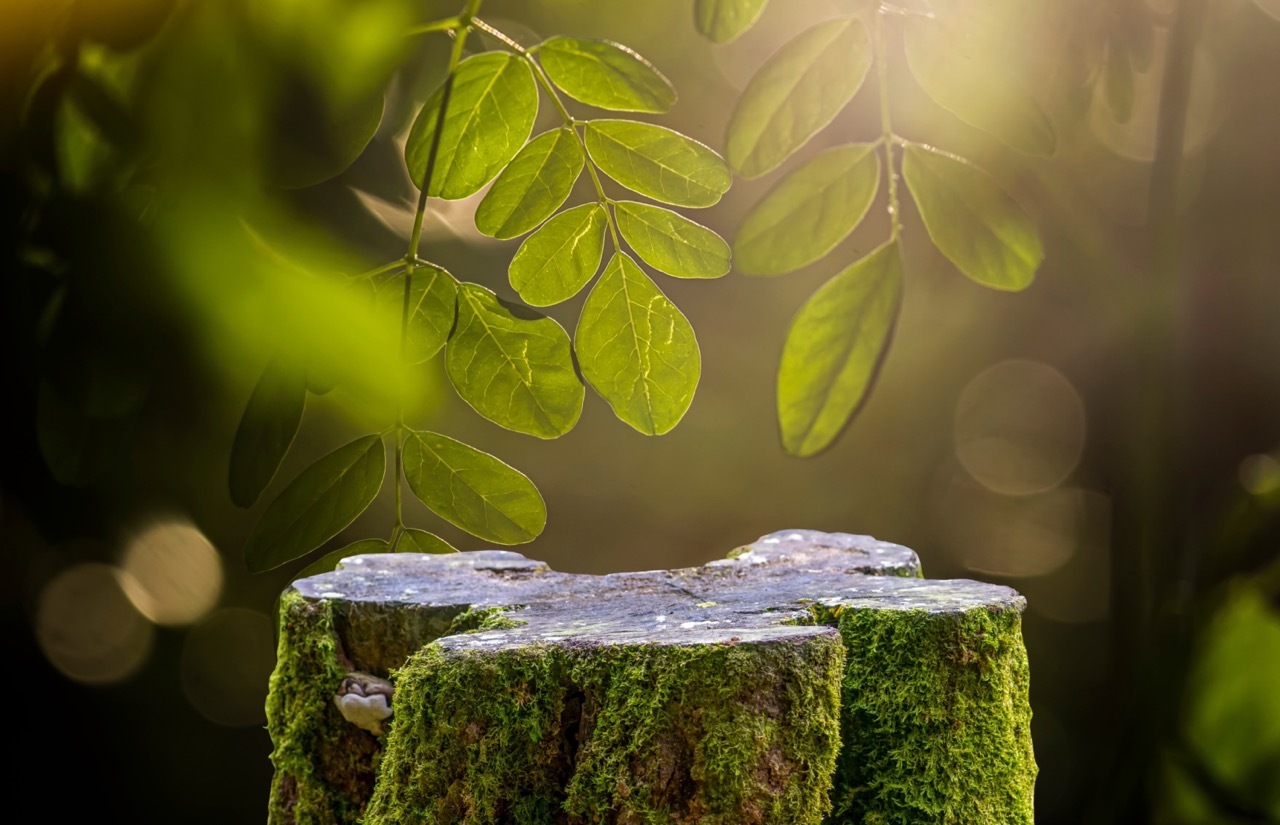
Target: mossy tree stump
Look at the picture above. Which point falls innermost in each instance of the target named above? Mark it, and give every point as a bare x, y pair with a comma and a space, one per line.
809, 678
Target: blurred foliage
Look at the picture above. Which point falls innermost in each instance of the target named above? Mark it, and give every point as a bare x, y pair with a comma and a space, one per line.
199, 201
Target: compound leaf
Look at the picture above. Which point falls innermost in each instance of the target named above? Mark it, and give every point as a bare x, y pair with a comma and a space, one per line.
672, 243
533, 186
722, 21
636, 349
318, 504
606, 74
834, 349
972, 220
433, 301
491, 112
809, 211
561, 257
473, 490
797, 92
658, 162
267, 427
515, 371
413, 540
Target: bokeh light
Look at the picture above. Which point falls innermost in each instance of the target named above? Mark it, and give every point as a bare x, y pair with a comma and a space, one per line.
1019, 428
88, 629
226, 664
174, 573
1260, 474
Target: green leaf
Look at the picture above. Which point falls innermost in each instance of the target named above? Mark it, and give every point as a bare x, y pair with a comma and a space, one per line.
972, 221
979, 92
657, 162
413, 540
672, 243
722, 21
796, 93
533, 186
515, 371
491, 112
473, 490
636, 349
560, 258
433, 300
809, 211
318, 504
834, 349
606, 74
329, 561
267, 427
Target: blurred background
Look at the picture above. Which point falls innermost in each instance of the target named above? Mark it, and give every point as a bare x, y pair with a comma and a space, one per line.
185, 184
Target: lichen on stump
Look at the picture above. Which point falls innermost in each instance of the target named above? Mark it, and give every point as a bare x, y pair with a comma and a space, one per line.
809, 678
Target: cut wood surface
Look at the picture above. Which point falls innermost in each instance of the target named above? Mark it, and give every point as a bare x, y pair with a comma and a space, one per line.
809, 677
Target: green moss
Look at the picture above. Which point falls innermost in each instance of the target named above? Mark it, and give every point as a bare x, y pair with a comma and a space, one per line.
325, 767
721, 734
480, 619
935, 720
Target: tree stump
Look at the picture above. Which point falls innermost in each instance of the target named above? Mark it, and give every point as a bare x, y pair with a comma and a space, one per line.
809, 678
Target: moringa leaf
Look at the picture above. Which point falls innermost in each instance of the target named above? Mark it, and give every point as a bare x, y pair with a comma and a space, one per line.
636, 349
533, 186
658, 162
413, 540
977, 91
491, 112
722, 21
267, 427
972, 221
809, 211
318, 504
797, 92
433, 301
329, 561
473, 490
834, 349
515, 371
561, 257
606, 74
672, 243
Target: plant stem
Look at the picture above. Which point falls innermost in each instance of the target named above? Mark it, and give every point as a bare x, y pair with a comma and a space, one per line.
460, 29
886, 127
545, 82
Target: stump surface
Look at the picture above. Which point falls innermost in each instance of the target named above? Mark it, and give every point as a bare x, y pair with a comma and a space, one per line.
809, 677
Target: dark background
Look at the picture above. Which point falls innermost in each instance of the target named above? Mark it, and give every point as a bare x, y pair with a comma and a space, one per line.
1107, 442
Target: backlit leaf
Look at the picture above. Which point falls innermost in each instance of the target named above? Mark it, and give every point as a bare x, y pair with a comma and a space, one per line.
318, 504
979, 92
801, 88
722, 21
473, 490
420, 541
329, 561
834, 349
658, 162
672, 243
491, 112
561, 257
606, 74
433, 299
811, 210
533, 186
267, 427
972, 221
636, 349
515, 371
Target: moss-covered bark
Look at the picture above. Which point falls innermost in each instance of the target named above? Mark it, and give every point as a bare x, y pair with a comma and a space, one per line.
936, 719
721, 734
324, 767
